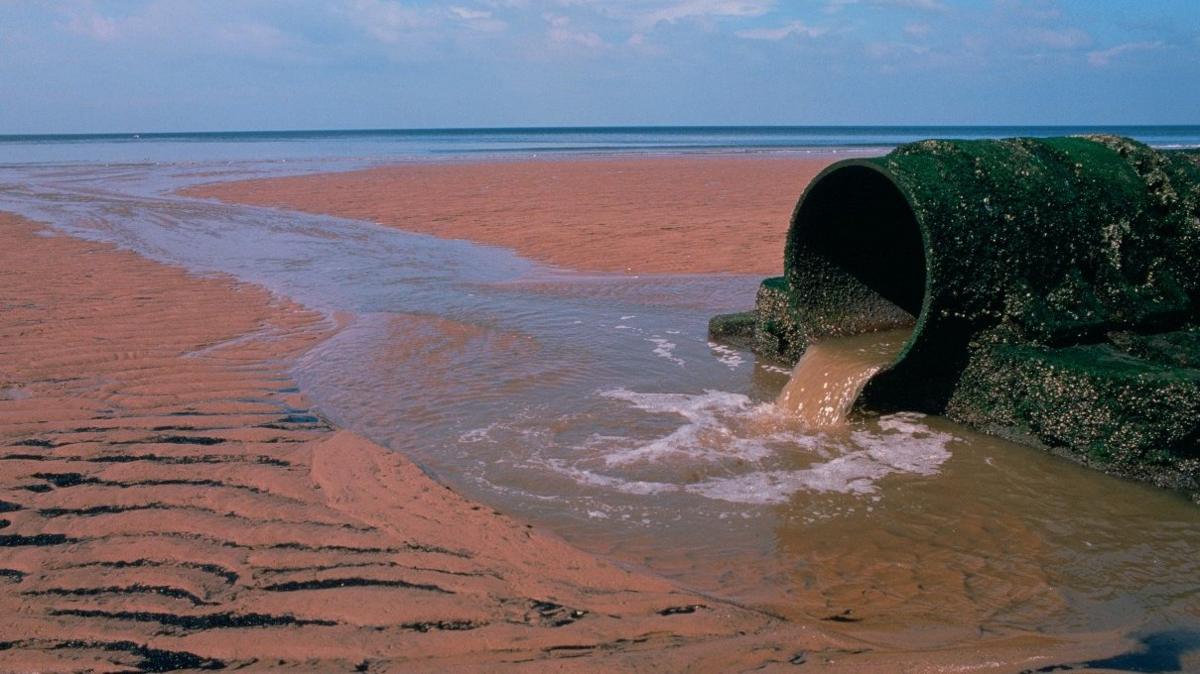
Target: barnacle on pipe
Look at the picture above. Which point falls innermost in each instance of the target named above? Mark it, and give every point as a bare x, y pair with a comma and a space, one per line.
1053, 285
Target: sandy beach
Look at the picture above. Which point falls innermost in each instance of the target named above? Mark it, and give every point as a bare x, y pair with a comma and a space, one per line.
682, 215
171, 502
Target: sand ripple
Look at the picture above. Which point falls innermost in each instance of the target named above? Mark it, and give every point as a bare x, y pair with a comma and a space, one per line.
171, 503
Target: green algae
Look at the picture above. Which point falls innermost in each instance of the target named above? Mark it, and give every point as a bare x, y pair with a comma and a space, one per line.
736, 329
1053, 285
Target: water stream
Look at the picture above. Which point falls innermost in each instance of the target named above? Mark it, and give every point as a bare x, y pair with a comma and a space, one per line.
831, 374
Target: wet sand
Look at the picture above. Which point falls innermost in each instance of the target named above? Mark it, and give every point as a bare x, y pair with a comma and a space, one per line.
169, 501
693, 215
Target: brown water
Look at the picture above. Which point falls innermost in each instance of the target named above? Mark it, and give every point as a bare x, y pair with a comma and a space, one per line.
832, 373
595, 405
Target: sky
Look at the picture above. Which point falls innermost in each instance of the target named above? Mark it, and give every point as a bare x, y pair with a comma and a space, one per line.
76, 66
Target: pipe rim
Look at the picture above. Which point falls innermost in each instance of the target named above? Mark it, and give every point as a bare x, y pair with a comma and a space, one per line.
795, 225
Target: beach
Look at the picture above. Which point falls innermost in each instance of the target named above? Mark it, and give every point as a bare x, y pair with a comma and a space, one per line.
170, 500
643, 215
176, 499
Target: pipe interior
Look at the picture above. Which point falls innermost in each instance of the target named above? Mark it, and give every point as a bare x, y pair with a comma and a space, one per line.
858, 220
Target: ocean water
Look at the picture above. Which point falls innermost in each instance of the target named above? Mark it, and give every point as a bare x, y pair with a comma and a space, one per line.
408, 144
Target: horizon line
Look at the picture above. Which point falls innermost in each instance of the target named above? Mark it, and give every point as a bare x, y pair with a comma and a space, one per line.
568, 128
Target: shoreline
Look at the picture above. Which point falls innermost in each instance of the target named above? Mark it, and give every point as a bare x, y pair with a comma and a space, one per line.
572, 211
168, 496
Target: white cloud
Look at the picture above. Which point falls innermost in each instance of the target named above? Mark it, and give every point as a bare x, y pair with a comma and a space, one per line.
1065, 39
477, 19
180, 27
561, 32
467, 14
94, 26
891, 50
917, 30
386, 20
794, 28
260, 36
1103, 57
679, 10
834, 6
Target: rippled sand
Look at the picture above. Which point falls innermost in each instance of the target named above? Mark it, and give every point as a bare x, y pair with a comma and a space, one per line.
169, 502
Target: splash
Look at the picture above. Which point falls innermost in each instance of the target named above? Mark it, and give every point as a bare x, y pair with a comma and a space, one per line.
832, 373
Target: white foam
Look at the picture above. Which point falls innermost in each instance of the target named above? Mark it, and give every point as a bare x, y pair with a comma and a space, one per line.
903, 446
730, 430
635, 487
712, 433
728, 357
665, 349
477, 434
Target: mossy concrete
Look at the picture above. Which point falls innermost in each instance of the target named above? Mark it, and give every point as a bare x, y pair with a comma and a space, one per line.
1053, 285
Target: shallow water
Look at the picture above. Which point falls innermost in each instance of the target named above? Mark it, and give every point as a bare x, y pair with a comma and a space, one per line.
595, 405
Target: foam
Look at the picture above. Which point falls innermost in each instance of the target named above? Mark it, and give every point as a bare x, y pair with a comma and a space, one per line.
721, 428
903, 445
728, 357
665, 349
475, 435
634, 487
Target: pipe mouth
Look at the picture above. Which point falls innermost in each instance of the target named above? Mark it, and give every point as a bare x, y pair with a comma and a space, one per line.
855, 219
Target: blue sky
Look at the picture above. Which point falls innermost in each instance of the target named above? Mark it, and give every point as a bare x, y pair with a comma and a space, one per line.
163, 65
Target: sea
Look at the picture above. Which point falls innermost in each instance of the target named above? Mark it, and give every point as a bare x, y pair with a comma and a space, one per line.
406, 144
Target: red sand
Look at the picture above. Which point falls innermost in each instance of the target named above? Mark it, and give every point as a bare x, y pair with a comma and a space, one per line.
640, 215
183, 500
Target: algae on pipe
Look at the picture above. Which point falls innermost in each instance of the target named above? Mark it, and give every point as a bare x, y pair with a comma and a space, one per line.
1054, 283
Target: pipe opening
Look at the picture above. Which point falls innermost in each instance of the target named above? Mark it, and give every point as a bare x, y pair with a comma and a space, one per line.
858, 221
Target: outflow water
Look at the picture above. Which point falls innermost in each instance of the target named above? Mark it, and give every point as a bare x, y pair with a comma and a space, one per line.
832, 373
594, 405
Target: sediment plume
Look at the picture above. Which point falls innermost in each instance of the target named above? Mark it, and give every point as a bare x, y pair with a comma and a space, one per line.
831, 374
